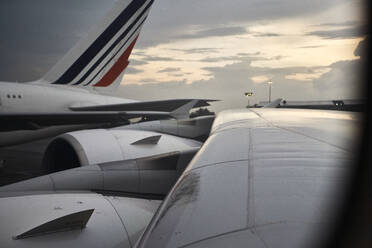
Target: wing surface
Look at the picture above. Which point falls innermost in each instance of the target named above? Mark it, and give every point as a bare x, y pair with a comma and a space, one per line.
34, 121
161, 105
264, 178
117, 114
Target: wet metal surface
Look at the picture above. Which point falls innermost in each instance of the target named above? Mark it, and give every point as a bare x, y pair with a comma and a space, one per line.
270, 179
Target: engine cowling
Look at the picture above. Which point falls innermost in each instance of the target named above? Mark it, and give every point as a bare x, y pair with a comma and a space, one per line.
60, 220
87, 147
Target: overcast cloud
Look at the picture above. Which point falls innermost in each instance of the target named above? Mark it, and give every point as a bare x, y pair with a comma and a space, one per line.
35, 34
229, 83
205, 49
341, 33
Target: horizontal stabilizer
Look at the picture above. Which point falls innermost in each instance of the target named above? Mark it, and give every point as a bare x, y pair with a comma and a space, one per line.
68, 222
152, 140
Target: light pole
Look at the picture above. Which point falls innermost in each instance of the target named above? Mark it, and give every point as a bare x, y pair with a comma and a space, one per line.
270, 83
248, 94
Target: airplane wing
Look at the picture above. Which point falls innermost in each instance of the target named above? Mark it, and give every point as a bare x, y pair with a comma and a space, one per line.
33, 121
117, 114
264, 178
162, 105
355, 105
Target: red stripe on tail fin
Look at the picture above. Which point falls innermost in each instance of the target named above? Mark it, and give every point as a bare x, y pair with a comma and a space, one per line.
117, 68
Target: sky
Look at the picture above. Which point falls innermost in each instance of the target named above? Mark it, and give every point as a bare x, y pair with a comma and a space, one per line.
203, 49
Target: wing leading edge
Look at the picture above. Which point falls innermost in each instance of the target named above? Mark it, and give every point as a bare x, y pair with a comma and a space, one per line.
117, 114
160, 105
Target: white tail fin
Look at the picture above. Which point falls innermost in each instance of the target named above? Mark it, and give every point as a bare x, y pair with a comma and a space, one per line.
99, 59
273, 104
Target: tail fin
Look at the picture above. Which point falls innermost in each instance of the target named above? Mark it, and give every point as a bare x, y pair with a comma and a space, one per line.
273, 104
183, 112
100, 58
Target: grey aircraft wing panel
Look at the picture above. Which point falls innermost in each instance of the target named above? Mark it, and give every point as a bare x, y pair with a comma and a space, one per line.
74, 219
161, 105
117, 114
33, 121
264, 178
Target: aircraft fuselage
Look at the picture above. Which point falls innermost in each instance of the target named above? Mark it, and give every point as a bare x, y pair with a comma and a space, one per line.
38, 98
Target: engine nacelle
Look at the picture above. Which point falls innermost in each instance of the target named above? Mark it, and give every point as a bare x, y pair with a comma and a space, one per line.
197, 128
150, 177
87, 147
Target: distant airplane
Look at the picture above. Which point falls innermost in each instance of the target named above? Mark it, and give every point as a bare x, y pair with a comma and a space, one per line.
68, 97
356, 105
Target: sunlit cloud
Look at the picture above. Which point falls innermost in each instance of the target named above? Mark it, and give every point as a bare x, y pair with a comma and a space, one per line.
170, 69
307, 76
213, 32
260, 79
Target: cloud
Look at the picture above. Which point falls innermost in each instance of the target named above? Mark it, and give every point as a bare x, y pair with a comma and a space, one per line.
344, 33
315, 46
36, 34
139, 52
260, 79
132, 70
196, 50
279, 57
221, 58
50, 34
148, 80
249, 54
308, 76
228, 83
137, 62
159, 58
170, 69
170, 19
179, 75
239, 57
268, 34
214, 32
337, 24
343, 81
18, 67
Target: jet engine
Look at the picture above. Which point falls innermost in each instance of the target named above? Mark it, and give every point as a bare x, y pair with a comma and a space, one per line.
101, 189
88, 147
